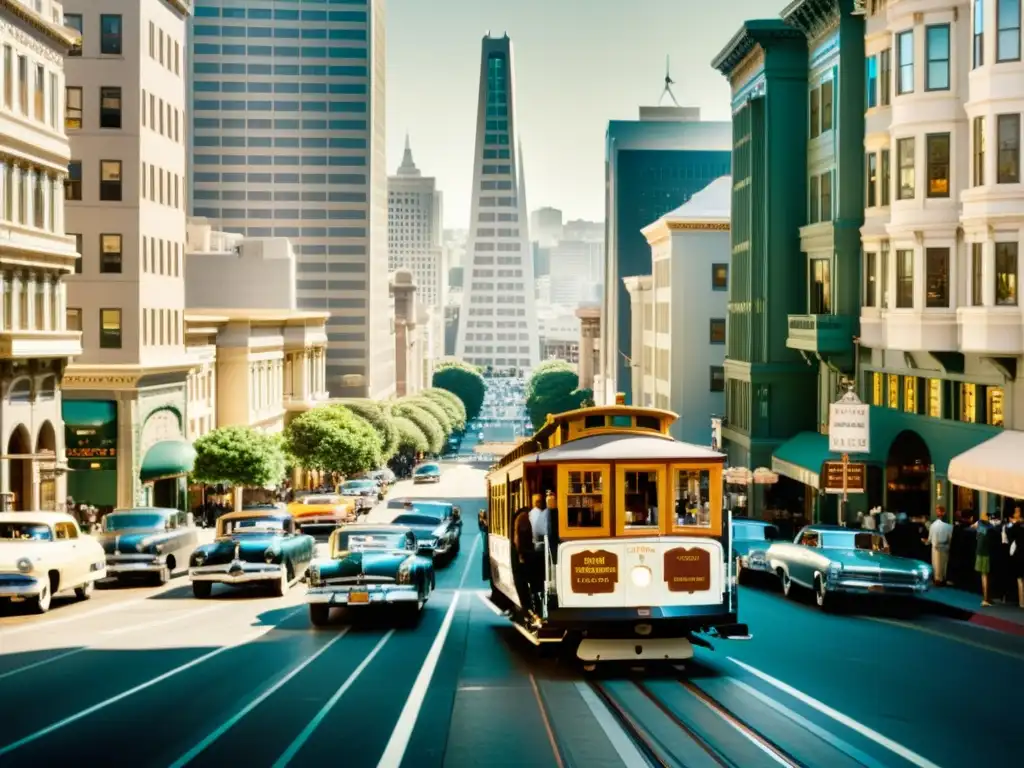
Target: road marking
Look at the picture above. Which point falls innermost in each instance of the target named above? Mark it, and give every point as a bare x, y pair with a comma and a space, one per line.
898, 749
199, 748
469, 562
622, 744
547, 722
132, 691
394, 752
487, 601
158, 622
77, 617
303, 737
943, 635
41, 662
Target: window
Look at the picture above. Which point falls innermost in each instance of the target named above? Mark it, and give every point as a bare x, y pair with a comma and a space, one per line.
977, 284
640, 497
910, 385
78, 250
883, 274
979, 33
937, 145
73, 319
74, 21
936, 268
968, 409
110, 38
110, 107
885, 77
717, 378
815, 112
38, 201
692, 499
719, 277
870, 279
110, 254
23, 84
110, 180
886, 180
935, 398
72, 108
1006, 274
905, 62
73, 181
110, 329
871, 180
936, 40
1008, 30
905, 279
585, 499
8, 76
820, 300
1008, 141
871, 82
827, 107
826, 196
717, 330
893, 385
813, 200
978, 152
905, 158
877, 389
39, 94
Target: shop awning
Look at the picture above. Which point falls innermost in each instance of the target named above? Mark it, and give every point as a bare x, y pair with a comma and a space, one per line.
995, 466
800, 458
168, 458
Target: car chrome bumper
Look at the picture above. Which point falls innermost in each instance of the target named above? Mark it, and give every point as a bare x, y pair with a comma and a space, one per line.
118, 564
322, 522
236, 572
859, 587
377, 594
418, 480
19, 585
749, 564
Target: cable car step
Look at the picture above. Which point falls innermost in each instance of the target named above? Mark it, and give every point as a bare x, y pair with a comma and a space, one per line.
733, 632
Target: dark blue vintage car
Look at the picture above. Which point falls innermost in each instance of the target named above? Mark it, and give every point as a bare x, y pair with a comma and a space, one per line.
252, 546
152, 542
436, 525
370, 565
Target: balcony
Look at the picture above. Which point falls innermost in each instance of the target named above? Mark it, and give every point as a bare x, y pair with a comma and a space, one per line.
821, 334
45, 344
996, 331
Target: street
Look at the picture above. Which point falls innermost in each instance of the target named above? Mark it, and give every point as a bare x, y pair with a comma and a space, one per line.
153, 677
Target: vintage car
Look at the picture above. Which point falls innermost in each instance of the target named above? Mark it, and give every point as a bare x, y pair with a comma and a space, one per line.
750, 542
363, 493
147, 541
437, 527
43, 553
322, 513
252, 546
831, 561
369, 565
426, 473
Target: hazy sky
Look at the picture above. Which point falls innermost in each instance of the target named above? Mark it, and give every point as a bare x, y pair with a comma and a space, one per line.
579, 64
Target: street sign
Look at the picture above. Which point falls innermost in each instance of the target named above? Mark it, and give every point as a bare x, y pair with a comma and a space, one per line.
844, 477
849, 429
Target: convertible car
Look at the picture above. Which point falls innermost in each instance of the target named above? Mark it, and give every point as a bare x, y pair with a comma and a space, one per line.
369, 565
437, 527
831, 560
321, 513
43, 553
363, 493
147, 541
252, 546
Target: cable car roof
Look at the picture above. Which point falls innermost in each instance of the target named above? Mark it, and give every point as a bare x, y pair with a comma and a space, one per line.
625, 447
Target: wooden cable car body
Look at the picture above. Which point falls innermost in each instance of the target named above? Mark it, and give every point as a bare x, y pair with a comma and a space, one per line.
639, 560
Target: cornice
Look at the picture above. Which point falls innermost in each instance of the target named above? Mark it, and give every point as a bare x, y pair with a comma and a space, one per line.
62, 37
812, 17
763, 32
184, 7
699, 226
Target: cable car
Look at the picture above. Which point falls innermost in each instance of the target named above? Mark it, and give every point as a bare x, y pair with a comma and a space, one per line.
637, 564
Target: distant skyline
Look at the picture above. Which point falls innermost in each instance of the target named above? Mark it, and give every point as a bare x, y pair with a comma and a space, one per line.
616, 51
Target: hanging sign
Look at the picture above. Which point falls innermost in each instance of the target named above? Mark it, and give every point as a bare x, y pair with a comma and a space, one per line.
849, 425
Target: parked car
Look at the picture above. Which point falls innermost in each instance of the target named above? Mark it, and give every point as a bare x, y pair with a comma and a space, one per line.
426, 473
750, 542
370, 565
363, 493
252, 546
437, 528
152, 542
43, 553
321, 513
831, 560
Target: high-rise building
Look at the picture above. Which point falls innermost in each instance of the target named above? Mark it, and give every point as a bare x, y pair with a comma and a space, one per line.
576, 269
546, 226
288, 141
125, 396
415, 230
498, 323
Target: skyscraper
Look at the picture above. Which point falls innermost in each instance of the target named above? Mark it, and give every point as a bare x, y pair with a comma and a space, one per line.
288, 141
498, 324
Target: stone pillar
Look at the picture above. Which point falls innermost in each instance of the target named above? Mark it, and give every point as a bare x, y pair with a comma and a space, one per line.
58, 204
16, 192
17, 286
30, 288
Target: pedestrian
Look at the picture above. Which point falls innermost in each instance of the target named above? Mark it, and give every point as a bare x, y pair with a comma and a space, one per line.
985, 541
1015, 533
940, 536
539, 527
523, 558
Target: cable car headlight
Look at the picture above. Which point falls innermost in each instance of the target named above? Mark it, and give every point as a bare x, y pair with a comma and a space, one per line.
641, 576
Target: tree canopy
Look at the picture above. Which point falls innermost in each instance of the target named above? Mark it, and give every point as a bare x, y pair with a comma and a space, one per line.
464, 381
378, 415
427, 424
450, 403
554, 388
239, 456
333, 439
436, 411
410, 437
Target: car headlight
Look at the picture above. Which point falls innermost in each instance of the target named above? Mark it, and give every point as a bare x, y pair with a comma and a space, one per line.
270, 555
25, 565
834, 569
404, 574
641, 576
199, 558
924, 572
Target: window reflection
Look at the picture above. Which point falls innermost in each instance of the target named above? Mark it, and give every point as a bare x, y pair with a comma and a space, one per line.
584, 503
692, 505
641, 497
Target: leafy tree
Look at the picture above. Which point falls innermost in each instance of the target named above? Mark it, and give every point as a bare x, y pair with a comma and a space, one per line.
426, 423
333, 439
464, 381
454, 407
410, 437
238, 456
435, 410
553, 388
378, 415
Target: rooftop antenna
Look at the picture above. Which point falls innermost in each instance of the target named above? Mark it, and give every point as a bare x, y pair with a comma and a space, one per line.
669, 82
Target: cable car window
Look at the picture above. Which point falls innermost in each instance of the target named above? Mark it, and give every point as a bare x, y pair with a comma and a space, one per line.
693, 498
622, 421
641, 490
648, 422
585, 499
593, 422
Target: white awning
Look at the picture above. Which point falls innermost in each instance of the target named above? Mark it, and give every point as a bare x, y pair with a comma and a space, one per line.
995, 466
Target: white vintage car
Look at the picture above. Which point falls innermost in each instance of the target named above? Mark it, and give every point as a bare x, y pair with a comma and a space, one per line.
43, 553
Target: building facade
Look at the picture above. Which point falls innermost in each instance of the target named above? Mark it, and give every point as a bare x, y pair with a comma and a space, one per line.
124, 402
576, 271
411, 334
652, 165
498, 325
589, 343
288, 122
415, 217
681, 325
35, 255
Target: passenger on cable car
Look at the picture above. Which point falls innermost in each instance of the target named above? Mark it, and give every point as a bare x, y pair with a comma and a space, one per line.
551, 510
523, 557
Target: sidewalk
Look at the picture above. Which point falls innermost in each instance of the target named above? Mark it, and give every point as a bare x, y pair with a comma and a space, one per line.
966, 606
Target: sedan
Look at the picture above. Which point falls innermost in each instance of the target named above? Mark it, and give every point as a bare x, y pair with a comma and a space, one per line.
437, 533
426, 473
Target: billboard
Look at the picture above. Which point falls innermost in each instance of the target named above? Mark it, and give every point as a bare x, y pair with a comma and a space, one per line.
90, 433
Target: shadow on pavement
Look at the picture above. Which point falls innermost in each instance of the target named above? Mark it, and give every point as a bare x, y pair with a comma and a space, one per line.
221, 592
874, 606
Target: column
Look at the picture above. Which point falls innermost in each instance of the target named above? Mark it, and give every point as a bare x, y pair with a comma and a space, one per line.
4, 191
988, 273
58, 204
17, 286
16, 193
30, 288
31, 180
62, 304
4, 287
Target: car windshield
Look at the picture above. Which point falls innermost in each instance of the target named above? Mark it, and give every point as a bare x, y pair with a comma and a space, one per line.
414, 519
121, 521
354, 486
758, 533
320, 500
259, 524
869, 542
358, 542
25, 532
428, 469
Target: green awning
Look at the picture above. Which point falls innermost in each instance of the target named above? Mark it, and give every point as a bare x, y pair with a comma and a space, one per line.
168, 458
801, 457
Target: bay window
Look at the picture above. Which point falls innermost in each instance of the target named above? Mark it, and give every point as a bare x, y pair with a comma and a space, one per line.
905, 159
905, 62
1008, 30
937, 146
1006, 274
936, 269
905, 279
936, 41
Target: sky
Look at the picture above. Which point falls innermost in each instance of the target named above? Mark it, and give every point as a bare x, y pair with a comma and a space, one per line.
579, 64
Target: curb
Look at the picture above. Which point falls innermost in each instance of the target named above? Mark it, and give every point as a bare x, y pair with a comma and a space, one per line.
986, 620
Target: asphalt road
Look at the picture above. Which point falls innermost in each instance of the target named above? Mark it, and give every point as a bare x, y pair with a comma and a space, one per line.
152, 677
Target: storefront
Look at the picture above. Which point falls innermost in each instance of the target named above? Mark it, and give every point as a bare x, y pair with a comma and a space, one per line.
800, 460
994, 469
91, 440
166, 457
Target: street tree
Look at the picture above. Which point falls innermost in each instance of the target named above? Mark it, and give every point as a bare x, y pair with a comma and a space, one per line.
333, 439
435, 410
451, 404
426, 423
238, 456
554, 388
377, 415
411, 439
464, 381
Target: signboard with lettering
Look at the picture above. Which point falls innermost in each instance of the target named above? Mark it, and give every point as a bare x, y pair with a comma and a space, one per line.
849, 427
90, 434
832, 477
688, 570
594, 572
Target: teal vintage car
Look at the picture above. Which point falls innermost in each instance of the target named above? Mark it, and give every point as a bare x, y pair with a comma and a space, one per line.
259, 545
370, 565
